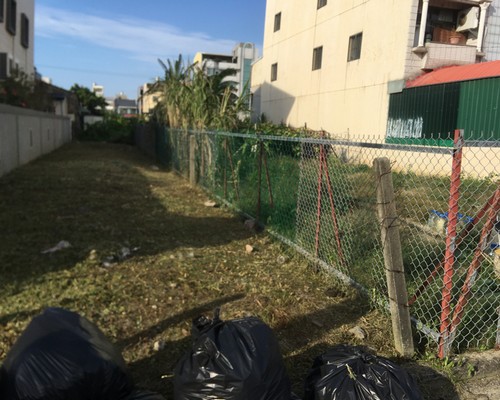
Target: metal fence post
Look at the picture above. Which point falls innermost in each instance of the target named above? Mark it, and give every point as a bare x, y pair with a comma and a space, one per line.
393, 259
192, 160
449, 259
259, 178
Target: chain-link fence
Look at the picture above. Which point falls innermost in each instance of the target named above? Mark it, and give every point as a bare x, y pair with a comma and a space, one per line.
319, 196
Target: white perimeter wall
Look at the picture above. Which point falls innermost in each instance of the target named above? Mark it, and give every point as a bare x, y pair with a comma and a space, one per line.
26, 135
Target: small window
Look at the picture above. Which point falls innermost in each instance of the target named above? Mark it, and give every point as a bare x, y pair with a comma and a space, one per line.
354, 52
274, 72
1, 10
3, 65
277, 22
25, 31
321, 3
317, 57
11, 17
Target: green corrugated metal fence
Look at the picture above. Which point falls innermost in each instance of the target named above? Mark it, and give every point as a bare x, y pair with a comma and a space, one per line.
429, 114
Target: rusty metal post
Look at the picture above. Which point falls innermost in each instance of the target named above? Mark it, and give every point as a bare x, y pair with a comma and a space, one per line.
318, 210
461, 236
474, 267
268, 179
336, 226
449, 259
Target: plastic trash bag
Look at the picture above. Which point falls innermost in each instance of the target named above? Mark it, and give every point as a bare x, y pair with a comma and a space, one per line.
144, 395
232, 360
63, 356
349, 373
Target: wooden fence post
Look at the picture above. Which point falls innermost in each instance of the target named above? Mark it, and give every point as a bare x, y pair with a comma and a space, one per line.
192, 160
393, 259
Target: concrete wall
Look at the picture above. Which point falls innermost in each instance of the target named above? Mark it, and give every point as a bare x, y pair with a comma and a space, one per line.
26, 135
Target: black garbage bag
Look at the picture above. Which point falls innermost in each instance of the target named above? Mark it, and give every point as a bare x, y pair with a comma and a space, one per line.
63, 356
144, 395
350, 373
232, 360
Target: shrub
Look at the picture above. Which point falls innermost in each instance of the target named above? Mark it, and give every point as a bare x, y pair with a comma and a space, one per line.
114, 129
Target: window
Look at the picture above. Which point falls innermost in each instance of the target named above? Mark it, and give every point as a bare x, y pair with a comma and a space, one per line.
25, 31
274, 72
317, 57
354, 52
11, 16
321, 3
3, 65
1, 10
277, 22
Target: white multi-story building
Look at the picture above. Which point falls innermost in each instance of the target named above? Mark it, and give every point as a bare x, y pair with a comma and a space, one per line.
241, 59
332, 64
16, 36
98, 90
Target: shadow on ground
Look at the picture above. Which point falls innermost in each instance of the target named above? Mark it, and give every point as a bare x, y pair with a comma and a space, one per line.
432, 384
99, 198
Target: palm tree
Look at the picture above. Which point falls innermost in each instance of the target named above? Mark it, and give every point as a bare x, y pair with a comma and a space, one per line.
175, 90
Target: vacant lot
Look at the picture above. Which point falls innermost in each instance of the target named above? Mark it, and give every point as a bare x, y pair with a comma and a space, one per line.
186, 259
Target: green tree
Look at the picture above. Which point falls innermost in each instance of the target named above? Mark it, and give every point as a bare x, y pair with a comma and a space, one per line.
90, 102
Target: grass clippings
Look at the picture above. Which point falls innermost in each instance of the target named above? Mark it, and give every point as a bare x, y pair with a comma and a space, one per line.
183, 259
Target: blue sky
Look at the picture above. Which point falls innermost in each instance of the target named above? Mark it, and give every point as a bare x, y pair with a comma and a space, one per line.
116, 43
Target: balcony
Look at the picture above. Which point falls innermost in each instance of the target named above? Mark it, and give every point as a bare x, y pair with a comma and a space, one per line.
442, 54
450, 32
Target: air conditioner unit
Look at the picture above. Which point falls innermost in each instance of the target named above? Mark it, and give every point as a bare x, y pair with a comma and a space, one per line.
468, 19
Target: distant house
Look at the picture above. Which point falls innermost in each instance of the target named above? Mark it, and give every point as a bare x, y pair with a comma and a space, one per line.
125, 107
16, 37
148, 96
64, 101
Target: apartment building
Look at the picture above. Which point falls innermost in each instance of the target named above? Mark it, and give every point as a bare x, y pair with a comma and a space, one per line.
148, 96
98, 90
241, 59
16, 36
333, 65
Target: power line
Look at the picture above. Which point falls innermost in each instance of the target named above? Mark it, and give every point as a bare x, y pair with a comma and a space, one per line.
92, 71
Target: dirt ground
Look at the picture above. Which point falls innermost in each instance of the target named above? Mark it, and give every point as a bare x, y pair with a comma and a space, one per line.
187, 259
485, 384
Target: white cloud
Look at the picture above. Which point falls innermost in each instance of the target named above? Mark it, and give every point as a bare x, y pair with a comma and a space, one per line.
141, 39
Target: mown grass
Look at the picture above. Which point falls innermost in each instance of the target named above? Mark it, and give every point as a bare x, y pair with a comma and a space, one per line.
190, 259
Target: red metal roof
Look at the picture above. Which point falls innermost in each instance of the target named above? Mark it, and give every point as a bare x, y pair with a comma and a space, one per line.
456, 74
